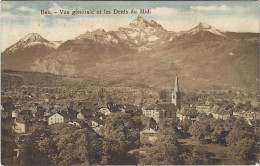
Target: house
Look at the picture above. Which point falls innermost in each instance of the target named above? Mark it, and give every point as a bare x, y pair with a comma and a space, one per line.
112, 107
131, 109
148, 136
187, 113
84, 114
6, 111
98, 114
5, 114
15, 114
83, 104
152, 111
203, 108
220, 113
56, 118
160, 111
104, 111
97, 124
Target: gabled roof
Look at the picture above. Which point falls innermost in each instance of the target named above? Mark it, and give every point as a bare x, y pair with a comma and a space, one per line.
26, 112
86, 112
168, 107
220, 110
129, 107
188, 111
148, 130
153, 107
59, 113
162, 106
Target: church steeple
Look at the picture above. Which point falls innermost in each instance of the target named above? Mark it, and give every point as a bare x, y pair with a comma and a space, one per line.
176, 86
176, 94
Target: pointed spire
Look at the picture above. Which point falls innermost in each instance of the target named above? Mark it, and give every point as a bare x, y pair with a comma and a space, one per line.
176, 87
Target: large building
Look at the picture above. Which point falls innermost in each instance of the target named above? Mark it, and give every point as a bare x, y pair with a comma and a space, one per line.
161, 111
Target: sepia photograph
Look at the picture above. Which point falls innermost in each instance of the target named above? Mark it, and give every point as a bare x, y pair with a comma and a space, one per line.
130, 83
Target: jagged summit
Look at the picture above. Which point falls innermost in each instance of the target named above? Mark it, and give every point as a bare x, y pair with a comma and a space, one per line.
140, 22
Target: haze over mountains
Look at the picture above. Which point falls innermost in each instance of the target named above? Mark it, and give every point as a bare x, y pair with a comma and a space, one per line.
144, 53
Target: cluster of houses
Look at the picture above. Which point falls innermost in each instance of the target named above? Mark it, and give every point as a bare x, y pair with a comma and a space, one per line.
87, 113
82, 114
160, 111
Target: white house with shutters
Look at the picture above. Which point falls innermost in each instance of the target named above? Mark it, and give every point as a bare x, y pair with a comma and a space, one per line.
56, 118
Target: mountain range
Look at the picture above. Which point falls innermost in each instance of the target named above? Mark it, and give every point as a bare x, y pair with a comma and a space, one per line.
145, 53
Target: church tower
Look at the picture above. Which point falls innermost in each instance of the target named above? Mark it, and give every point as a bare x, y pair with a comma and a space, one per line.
176, 95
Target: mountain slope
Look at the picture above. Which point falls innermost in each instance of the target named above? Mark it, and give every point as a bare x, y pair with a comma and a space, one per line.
145, 54
21, 55
206, 66
92, 48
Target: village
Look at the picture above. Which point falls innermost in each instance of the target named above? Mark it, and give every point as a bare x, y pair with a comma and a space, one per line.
22, 110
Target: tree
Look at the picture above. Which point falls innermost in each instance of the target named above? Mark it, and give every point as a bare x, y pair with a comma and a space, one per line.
120, 134
65, 144
218, 131
229, 123
107, 97
199, 156
242, 141
244, 150
200, 130
162, 94
185, 126
100, 94
167, 149
248, 105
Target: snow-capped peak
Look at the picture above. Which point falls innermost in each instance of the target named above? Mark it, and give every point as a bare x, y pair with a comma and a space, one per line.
32, 37
205, 27
202, 25
29, 40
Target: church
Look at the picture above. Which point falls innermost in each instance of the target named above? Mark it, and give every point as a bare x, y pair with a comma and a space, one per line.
165, 110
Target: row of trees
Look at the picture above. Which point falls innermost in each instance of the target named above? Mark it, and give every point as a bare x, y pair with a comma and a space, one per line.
234, 132
66, 145
242, 141
63, 144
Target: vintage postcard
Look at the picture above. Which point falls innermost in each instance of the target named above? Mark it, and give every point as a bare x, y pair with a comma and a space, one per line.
130, 83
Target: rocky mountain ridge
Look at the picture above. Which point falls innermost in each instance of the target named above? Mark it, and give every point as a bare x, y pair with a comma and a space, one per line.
144, 45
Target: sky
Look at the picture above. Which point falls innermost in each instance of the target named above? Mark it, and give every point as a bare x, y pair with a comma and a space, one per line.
19, 18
